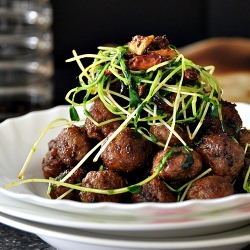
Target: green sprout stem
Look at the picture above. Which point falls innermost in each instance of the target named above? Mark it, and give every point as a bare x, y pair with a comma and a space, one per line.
35, 145
246, 183
94, 190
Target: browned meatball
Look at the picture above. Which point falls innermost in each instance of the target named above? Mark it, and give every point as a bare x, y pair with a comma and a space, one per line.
232, 122
100, 113
244, 139
222, 154
154, 191
127, 152
210, 187
162, 105
162, 133
181, 165
72, 145
75, 178
105, 180
52, 165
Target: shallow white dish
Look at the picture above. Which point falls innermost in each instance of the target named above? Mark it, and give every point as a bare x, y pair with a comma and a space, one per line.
64, 239
219, 222
17, 137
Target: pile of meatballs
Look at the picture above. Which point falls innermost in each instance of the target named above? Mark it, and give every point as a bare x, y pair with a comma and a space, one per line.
130, 158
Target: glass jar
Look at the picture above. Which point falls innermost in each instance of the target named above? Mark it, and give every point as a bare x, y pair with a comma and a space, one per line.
26, 61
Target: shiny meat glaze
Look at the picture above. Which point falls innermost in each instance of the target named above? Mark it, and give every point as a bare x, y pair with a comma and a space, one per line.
210, 187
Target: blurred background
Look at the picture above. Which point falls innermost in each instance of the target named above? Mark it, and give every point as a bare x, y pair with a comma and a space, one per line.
208, 32
84, 25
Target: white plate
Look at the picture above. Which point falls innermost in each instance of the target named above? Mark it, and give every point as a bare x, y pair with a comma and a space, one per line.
64, 238
219, 222
17, 137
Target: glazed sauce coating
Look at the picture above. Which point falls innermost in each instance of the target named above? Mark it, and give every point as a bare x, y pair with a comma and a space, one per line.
127, 152
222, 154
210, 187
154, 191
183, 165
72, 145
100, 114
105, 179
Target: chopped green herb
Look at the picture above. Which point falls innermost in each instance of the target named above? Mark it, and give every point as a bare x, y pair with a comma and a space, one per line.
189, 160
134, 189
73, 114
134, 99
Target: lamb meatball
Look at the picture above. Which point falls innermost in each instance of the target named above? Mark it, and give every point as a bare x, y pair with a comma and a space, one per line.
127, 152
162, 133
100, 113
232, 122
105, 179
52, 165
210, 187
222, 154
181, 165
244, 139
154, 191
75, 178
162, 105
72, 144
